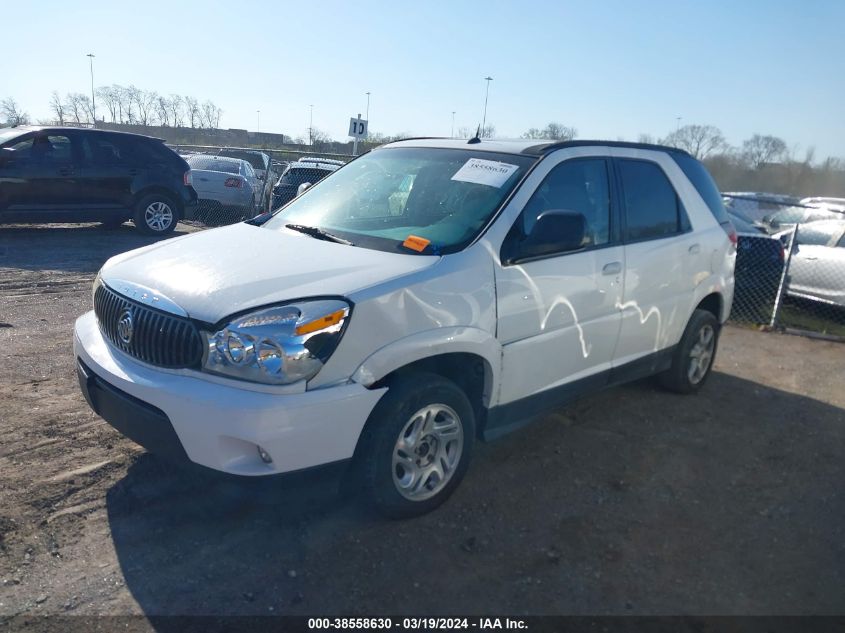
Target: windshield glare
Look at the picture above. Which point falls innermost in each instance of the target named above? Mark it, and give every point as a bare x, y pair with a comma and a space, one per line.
444, 196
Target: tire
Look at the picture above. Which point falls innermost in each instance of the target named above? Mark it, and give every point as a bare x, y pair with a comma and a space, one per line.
696, 346
155, 214
404, 479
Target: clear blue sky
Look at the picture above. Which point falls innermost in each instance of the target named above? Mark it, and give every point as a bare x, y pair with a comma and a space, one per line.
611, 69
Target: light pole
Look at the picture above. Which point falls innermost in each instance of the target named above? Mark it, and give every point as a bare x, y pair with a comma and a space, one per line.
678, 124
367, 116
453, 124
258, 126
311, 126
488, 79
90, 57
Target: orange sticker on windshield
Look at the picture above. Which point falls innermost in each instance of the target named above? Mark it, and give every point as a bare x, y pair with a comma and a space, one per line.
416, 243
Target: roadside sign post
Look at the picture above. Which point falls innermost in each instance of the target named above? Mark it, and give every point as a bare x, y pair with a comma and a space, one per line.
357, 130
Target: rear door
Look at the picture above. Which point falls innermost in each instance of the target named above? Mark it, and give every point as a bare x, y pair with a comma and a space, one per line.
107, 181
558, 316
663, 258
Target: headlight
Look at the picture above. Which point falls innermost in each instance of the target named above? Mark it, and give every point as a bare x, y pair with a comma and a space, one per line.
277, 345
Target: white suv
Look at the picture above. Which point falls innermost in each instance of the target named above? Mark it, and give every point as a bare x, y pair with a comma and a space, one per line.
428, 294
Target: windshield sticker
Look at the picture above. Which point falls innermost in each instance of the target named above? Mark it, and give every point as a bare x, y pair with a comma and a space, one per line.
416, 243
485, 172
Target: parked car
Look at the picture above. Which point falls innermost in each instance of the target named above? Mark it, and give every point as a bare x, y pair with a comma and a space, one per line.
304, 171
226, 188
759, 267
817, 267
262, 164
59, 174
755, 205
338, 332
786, 218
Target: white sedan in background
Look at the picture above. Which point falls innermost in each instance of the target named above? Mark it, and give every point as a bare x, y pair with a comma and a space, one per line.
817, 267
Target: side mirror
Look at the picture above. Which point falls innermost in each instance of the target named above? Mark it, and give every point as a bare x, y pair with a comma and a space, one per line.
301, 189
555, 231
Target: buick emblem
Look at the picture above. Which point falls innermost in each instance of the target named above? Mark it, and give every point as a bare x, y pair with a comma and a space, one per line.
125, 327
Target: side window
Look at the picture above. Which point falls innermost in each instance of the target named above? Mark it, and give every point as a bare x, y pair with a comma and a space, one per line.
45, 149
814, 235
652, 207
579, 185
101, 150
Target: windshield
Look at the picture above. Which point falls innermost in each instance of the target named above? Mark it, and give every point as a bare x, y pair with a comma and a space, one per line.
10, 133
444, 197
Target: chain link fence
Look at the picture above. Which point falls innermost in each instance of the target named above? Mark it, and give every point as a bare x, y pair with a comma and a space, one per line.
790, 264
238, 183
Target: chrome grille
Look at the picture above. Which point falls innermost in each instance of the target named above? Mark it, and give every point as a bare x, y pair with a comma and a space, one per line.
157, 338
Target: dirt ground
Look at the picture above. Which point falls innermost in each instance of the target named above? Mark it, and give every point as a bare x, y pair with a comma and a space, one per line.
633, 501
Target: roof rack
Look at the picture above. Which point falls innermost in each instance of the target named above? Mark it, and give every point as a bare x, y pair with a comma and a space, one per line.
545, 148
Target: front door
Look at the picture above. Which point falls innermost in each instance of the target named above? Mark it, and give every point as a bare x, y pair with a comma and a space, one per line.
45, 171
558, 316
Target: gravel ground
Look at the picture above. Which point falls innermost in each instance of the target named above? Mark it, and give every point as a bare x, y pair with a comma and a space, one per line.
633, 501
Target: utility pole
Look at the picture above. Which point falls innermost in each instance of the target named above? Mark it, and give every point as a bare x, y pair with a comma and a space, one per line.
678, 124
93, 105
311, 127
486, 95
453, 124
368, 107
258, 128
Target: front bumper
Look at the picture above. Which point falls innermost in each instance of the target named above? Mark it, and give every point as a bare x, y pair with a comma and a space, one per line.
217, 423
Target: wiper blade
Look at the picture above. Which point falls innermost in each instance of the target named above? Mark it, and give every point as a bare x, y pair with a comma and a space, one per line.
319, 233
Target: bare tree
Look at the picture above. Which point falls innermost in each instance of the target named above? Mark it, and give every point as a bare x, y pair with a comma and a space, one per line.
210, 115
759, 150
12, 113
109, 96
552, 131
57, 107
132, 96
88, 109
193, 109
648, 139
174, 105
162, 111
145, 102
75, 106
699, 140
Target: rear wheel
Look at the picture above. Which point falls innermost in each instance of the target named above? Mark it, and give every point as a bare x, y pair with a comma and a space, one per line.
417, 445
694, 356
155, 214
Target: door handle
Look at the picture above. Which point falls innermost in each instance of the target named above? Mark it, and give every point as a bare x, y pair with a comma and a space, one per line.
695, 249
133, 172
613, 268
65, 171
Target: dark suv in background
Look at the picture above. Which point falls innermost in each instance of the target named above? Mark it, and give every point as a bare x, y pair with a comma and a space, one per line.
58, 174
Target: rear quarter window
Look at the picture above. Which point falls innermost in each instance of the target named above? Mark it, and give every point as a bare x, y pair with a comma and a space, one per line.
704, 184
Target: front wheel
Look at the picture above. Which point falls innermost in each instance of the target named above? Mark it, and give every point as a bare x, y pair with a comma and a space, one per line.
155, 214
417, 445
693, 359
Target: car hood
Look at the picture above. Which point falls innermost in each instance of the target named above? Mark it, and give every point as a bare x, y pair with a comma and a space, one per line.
219, 272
